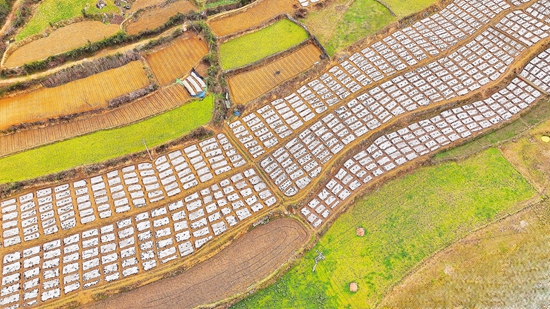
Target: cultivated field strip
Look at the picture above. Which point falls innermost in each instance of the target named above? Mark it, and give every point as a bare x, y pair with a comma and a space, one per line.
306, 155
382, 59
153, 18
59, 41
249, 85
177, 59
160, 101
538, 71
48, 211
132, 245
251, 16
81, 95
418, 140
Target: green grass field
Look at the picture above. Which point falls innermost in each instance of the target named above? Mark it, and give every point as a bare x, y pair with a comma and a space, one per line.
345, 22
105, 145
53, 11
406, 221
505, 265
252, 47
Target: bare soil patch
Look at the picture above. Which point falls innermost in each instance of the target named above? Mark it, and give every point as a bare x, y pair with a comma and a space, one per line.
158, 16
59, 41
252, 16
245, 262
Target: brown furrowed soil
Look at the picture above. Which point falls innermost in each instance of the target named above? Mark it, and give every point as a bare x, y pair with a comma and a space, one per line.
249, 85
59, 41
245, 262
177, 59
249, 17
79, 96
158, 102
156, 17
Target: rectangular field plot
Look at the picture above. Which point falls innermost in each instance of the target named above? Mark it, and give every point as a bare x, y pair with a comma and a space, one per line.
392, 150
131, 245
249, 85
538, 71
82, 95
155, 17
177, 59
50, 210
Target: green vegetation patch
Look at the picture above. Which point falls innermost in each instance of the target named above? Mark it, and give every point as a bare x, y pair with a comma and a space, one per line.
406, 221
255, 46
345, 22
104, 145
219, 3
50, 12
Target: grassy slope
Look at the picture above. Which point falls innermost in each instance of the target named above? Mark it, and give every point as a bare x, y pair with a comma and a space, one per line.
406, 221
53, 11
505, 265
105, 145
260, 44
502, 266
344, 22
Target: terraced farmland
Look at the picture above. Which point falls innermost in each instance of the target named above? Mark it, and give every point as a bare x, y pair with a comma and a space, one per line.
251, 84
373, 114
251, 16
155, 17
78, 96
155, 103
59, 41
177, 59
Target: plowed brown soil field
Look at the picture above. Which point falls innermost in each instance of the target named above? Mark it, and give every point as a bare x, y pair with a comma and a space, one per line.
75, 97
251, 84
156, 103
248, 17
177, 59
156, 17
245, 262
61, 40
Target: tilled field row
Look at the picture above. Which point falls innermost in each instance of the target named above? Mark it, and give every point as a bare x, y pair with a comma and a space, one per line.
79, 96
477, 64
177, 59
132, 245
160, 101
251, 84
48, 211
412, 143
249, 17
